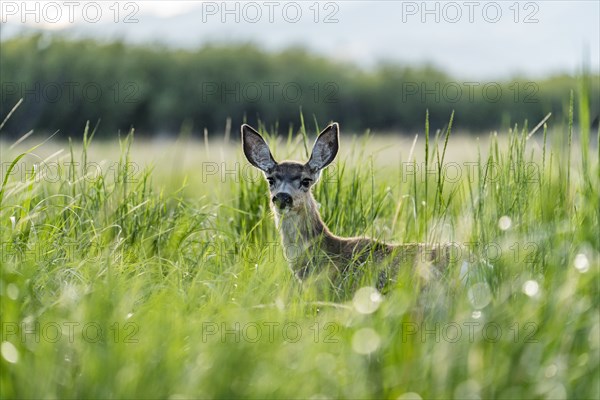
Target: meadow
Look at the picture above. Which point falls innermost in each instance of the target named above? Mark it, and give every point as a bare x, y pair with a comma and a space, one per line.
140, 269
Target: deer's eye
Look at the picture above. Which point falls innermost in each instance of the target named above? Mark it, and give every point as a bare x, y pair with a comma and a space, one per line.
271, 181
305, 182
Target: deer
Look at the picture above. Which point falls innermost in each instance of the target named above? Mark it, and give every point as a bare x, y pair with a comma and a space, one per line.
310, 247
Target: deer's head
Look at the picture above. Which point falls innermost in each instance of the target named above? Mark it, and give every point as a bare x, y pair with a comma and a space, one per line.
290, 181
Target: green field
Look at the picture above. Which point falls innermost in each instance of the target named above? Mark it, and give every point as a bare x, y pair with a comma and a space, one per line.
153, 270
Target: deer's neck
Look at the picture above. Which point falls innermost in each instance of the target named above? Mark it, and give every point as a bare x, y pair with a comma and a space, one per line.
301, 227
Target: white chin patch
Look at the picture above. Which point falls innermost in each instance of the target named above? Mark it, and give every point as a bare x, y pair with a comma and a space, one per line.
286, 211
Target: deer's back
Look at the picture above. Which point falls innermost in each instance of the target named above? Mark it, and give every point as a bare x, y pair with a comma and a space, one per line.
427, 260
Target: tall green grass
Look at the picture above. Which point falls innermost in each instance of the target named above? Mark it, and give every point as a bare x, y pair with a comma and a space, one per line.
114, 287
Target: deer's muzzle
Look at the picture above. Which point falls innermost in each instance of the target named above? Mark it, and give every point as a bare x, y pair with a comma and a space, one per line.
282, 200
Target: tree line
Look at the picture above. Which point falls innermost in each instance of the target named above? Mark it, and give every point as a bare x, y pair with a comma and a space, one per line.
164, 91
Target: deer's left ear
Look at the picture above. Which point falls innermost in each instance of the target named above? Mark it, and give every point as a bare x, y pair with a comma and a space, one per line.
325, 148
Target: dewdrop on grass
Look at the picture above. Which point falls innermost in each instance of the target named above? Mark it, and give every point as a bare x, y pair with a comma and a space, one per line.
9, 352
480, 295
365, 341
366, 300
581, 263
504, 223
12, 291
531, 288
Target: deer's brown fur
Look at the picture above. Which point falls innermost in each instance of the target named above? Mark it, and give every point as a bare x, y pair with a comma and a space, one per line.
309, 245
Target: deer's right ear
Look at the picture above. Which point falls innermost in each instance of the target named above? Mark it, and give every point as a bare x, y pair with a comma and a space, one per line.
256, 149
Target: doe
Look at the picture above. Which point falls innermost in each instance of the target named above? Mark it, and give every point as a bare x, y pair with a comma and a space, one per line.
309, 245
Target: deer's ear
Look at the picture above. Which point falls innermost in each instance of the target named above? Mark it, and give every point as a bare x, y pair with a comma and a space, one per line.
325, 148
256, 149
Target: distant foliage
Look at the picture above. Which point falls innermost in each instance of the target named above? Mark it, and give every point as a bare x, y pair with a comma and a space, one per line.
160, 90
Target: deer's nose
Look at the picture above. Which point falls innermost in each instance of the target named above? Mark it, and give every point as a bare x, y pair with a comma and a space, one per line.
282, 200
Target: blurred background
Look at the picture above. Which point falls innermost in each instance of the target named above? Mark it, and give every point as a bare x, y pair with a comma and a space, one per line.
168, 68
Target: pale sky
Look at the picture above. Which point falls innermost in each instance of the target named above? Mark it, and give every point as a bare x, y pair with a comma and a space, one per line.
479, 39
